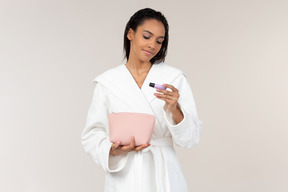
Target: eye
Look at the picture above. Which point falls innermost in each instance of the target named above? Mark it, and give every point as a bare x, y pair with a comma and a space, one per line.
159, 42
145, 37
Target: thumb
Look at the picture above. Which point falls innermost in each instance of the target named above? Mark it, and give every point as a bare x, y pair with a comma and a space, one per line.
115, 145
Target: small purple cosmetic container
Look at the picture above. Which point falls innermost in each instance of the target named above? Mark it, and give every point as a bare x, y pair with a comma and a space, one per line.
157, 86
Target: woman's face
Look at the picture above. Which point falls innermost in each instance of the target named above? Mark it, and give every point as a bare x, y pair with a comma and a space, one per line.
147, 40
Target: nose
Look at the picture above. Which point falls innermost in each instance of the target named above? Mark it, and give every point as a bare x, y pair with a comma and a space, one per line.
152, 45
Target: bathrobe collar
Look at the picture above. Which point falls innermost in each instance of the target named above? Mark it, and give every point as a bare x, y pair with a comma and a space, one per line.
120, 82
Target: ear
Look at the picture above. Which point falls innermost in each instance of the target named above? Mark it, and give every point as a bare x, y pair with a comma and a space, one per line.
130, 34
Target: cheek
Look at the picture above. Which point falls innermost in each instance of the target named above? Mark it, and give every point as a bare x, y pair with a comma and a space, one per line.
158, 48
139, 44
136, 45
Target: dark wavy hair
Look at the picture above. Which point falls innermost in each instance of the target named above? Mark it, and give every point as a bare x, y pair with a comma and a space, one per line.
138, 19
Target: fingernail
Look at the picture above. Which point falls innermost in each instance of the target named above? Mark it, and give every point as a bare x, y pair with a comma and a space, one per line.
133, 137
119, 142
155, 94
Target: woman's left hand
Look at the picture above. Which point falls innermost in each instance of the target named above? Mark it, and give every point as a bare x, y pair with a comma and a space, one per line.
170, 97
171, 100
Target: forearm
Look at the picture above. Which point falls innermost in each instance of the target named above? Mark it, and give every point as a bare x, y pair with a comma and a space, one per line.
177, 114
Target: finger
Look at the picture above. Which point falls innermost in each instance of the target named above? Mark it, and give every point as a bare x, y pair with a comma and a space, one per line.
129, 147
165, 92
115, 145
125, 148
171, 87
167, 97
141, 147
160, 96
169, 102
132, 144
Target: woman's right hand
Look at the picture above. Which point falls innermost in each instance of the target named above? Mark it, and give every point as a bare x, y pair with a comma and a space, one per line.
118, 149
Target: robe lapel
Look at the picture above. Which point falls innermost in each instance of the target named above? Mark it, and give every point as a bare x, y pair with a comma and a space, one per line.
146, 95
121, 84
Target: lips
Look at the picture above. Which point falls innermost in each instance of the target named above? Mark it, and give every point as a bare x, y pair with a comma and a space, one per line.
148, 52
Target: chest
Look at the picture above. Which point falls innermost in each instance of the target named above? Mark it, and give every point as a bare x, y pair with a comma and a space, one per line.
139, 78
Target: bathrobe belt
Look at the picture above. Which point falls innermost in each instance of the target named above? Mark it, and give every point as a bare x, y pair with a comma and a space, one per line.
155, 149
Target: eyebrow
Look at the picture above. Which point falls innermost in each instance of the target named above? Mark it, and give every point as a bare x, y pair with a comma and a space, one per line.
153, 34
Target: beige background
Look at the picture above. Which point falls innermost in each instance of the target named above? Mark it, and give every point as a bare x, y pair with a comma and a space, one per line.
234, 54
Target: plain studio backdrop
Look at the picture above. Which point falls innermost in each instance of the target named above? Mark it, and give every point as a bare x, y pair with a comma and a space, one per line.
234, 54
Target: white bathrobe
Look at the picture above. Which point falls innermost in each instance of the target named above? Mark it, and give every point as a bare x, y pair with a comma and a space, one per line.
156, 168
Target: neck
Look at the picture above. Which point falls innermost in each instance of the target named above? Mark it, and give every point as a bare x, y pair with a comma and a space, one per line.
138, 66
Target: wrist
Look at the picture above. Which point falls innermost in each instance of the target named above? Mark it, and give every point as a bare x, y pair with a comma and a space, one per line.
175, 109
177, 114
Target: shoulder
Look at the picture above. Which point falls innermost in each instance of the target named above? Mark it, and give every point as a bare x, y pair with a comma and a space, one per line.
167, 72
110, 73
169, 68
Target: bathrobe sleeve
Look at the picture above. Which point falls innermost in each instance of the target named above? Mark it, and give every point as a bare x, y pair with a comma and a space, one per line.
95, 136
187, 132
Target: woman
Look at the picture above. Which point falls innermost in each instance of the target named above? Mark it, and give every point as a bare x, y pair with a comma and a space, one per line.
125, 88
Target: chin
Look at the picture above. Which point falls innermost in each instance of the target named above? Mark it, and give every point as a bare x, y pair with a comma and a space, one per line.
146, 59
